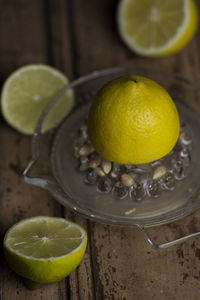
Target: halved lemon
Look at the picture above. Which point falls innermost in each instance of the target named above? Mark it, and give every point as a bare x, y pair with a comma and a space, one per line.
156, 28
133, 120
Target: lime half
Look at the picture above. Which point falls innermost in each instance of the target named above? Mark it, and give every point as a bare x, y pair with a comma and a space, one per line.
28, 90
44, 249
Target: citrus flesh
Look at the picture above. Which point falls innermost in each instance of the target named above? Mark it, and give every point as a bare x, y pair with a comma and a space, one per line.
157, 28
27, 91
133, 120
44, 249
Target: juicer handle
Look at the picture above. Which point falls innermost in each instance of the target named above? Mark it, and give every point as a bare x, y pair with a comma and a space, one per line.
168, 244
47, 184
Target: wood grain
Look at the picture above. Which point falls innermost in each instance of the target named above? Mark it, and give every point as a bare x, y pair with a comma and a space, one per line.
23, 41
80, 283
78, 37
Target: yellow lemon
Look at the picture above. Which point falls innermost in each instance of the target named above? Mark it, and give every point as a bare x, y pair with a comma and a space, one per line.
133, 120
157, 28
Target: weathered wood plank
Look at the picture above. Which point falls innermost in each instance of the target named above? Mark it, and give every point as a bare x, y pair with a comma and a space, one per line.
59, 34
79, 283
118, 263
23, 38
23, 41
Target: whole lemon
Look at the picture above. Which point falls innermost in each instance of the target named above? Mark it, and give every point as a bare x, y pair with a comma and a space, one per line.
133, 120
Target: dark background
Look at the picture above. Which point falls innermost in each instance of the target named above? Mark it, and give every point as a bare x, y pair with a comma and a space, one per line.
78, 37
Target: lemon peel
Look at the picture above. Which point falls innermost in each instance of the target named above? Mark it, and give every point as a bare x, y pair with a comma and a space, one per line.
133, 120
157, 28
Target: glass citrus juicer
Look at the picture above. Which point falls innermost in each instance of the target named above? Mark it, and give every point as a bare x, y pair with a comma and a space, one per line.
161, 192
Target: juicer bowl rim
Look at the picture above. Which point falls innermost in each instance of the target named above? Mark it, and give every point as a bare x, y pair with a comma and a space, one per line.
48, 185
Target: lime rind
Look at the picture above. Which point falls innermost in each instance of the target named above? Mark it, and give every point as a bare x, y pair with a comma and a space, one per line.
31, 285
37, 271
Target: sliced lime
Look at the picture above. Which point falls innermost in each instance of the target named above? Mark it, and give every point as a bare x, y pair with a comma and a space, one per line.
27, 91
44, 249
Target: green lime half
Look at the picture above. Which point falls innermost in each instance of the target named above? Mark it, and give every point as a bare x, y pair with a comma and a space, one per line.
27, 91
44, 249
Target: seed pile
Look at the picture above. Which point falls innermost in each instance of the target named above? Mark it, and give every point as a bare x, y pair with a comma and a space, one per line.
138, 182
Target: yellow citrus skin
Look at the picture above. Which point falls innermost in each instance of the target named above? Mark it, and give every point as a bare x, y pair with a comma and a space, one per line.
130, 24
133, 120
188, 34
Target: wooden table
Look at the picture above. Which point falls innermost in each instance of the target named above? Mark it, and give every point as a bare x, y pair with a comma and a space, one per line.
78, 37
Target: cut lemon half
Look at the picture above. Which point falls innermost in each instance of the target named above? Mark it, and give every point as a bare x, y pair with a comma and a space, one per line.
156, 28
133, 120
44, 249
28, 90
